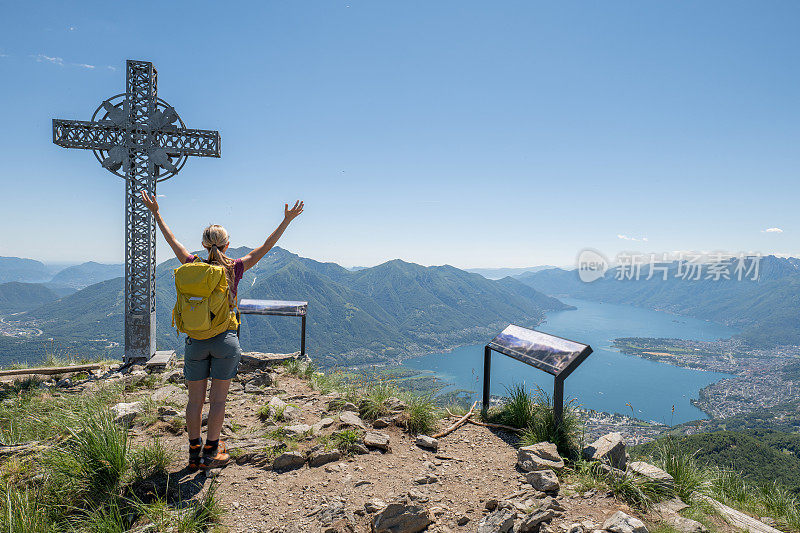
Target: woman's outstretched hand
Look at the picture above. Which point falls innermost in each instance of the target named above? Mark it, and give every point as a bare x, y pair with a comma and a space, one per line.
288, 214
151, 202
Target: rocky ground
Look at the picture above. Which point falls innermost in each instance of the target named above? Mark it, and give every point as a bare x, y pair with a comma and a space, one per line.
288, 476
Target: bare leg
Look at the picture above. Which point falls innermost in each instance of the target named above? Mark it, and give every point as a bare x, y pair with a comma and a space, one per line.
194, 407
216, 410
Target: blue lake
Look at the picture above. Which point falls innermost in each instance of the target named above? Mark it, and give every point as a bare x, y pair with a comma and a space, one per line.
608, 379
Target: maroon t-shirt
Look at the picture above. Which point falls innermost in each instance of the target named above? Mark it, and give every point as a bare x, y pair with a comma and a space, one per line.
238, 272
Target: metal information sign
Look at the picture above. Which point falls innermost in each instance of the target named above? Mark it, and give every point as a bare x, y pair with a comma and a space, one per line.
555, 355
278, 308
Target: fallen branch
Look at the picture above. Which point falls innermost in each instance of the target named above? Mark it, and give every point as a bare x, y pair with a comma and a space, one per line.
494, 426
461, 422
49, 370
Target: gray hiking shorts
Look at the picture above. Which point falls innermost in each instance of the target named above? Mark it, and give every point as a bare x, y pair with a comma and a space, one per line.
217, 357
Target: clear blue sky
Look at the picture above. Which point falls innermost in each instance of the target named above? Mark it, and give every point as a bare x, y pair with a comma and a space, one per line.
468, 133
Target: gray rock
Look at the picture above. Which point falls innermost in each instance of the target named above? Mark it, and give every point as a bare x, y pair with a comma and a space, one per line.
350, 406
320, 458
395, 404
608, 449
349, 418
373, 439
324, 423
359, 448
276, 403
252, 388
66, 382
261, 379
654, 473
540, 456
165, 412
426, 479
687, 525
543, 480
126, 413
173, 376
499, 521
577, 527
374, 505
401, 518
424, 441
380, 423
288, 461
530, 523
620, 522
297, 430
292, 413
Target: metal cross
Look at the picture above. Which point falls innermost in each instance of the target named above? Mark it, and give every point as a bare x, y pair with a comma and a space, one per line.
139, 133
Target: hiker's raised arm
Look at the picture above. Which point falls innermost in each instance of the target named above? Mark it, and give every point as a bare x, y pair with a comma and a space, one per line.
250, 260
180, 250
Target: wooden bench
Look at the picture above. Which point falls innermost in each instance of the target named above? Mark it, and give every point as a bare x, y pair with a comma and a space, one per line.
278, 308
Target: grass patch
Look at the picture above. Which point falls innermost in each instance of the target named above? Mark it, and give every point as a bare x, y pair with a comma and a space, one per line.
346, 440
374, 402
422, 414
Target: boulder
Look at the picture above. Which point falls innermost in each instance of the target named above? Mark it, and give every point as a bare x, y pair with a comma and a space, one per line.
297, 430
288, 461
543, 480
261, 379
252, 388
320, 458
394, 403
125, 413
374, 439
324, 423
426, 479
620, 522
687, 525
424, 441
374, 505
608, 449
349, 418
173, 376
531, 522
292, 413
499, 521
401, 518
654, 473
539, 456
380, 423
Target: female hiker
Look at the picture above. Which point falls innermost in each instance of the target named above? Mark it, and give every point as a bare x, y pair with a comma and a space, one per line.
216, 357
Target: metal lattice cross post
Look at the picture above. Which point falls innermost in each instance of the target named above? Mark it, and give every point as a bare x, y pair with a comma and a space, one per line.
142, 135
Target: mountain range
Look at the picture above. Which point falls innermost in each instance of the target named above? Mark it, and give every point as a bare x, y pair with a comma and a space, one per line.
766, 310
383, 313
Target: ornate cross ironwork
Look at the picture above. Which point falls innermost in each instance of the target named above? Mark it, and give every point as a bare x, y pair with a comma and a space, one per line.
139, 137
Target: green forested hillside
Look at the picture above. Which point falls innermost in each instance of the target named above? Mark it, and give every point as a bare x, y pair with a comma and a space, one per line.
371, 315
766, 310
762, 456
85, 274
24, 270
16, 296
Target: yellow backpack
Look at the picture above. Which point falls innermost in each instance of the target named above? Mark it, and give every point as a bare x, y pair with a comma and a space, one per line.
203, 309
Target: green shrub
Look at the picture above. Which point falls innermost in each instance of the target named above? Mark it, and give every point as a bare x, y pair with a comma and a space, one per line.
543, 428
682, 465
92, 463
373, 404
152, 459
346, 440
422, 414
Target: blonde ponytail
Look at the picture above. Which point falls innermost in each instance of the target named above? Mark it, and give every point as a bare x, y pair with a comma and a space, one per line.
215, 237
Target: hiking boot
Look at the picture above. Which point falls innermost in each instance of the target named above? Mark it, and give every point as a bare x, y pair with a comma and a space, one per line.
194, 456
214, 456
